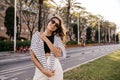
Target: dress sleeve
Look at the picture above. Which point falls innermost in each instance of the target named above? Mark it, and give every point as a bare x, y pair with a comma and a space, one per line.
37, 48
61, 46
33, 45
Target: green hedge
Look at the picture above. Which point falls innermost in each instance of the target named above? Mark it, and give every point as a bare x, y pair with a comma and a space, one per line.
90, 42
9, 45
71, 42
6, 45
24, 43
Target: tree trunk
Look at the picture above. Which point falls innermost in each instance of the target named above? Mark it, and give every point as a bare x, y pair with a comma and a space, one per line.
40, 15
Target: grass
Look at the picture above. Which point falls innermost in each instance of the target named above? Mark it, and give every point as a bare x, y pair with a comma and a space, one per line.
105, 68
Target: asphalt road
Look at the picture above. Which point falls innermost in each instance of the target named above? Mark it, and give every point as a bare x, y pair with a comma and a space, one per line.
24, 70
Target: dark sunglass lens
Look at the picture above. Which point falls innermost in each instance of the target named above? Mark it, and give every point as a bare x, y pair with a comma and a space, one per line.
57, 25
52, 21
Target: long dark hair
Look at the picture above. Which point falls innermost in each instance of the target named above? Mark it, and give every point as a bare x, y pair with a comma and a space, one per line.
60, 31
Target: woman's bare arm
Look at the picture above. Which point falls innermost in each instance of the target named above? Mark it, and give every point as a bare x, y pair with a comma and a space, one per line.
39, 66
56, 51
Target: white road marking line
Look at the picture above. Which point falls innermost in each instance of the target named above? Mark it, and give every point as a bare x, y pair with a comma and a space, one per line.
16, 69
3, 77
14, 78
81, 58
28, 78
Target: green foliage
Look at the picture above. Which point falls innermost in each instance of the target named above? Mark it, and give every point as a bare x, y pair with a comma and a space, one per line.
75, 30
9, 21
6, 45
9, 45
96, 35
117, 38
24, 43
71, 42
88, 34
90, 42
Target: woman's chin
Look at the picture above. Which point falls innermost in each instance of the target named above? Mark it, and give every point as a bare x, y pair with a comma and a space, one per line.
51, 30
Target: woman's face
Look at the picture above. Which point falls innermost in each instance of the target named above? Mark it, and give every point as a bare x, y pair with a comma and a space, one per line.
53, 24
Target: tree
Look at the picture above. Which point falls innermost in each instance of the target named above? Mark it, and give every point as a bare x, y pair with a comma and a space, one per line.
4, 4
71, 5
96, 35
18, 32
117, 38
40, 15
28, 14
9, 21
88, 34
94, 22
75, 31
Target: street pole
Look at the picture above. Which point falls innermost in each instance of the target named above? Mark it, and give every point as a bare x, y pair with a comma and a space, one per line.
99, 32
15, 28
109, 34
78, 30
115, 35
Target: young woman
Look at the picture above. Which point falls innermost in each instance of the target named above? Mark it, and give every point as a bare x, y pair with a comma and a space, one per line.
46, 48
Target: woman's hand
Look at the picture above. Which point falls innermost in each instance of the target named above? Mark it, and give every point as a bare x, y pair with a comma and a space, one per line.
49, 73
43, 37
55, 50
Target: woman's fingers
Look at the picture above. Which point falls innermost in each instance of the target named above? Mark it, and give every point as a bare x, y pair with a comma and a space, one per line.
53, 71
49, 73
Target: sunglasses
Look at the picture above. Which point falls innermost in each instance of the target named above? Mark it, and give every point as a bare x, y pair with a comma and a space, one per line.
56, 24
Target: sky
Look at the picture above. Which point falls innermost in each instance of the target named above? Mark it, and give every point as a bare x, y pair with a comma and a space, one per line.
109, 9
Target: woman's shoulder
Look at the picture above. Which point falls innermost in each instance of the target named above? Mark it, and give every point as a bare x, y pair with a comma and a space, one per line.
36, 34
